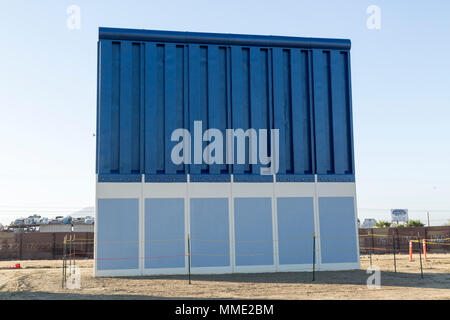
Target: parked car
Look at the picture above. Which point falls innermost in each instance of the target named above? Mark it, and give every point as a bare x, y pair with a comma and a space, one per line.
43, 220
19, 222
67, 220
55, 221
89, 220
78, 220
34, 219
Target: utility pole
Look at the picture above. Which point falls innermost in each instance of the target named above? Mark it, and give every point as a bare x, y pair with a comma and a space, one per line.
428, 217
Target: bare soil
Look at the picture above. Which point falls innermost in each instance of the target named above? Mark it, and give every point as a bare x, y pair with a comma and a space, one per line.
41, 279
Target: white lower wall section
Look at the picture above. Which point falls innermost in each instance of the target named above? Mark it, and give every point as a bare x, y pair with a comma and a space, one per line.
143, 228
338, 228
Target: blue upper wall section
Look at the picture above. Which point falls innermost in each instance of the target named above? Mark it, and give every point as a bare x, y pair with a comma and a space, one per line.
153, 82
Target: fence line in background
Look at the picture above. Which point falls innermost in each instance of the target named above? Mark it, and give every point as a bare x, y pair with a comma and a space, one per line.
35, 245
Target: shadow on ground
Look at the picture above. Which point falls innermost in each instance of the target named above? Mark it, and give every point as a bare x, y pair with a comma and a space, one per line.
351, 277
72, 295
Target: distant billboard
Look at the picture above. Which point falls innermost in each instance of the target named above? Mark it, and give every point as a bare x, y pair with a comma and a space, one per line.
399, 215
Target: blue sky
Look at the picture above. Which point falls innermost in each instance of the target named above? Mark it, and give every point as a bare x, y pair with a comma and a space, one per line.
400, 82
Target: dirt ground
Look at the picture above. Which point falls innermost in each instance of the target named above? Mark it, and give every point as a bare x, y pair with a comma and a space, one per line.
42, 280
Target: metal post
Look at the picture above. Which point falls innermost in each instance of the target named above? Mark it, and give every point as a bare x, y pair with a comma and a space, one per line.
54, 246
20, 244
74, 249
428, 217
62, 279
189, 258
69, 250
70, 253
314, 258
420, 255
86, 244
371, 251
64, 263
393, 247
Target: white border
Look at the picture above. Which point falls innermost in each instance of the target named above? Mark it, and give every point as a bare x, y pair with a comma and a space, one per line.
294, 267
142, 230
164, 271
109, 190
276, 258
318, 247
95, 272
117, 273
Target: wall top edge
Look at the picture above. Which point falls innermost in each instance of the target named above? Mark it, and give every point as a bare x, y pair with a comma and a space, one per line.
222, 38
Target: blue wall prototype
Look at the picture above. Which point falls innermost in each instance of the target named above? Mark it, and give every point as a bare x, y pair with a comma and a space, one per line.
157, 217
152, 82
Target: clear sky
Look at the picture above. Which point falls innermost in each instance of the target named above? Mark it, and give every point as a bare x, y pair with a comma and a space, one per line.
400, 82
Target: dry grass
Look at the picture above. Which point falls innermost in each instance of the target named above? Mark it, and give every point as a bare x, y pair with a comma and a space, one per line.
42, 280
